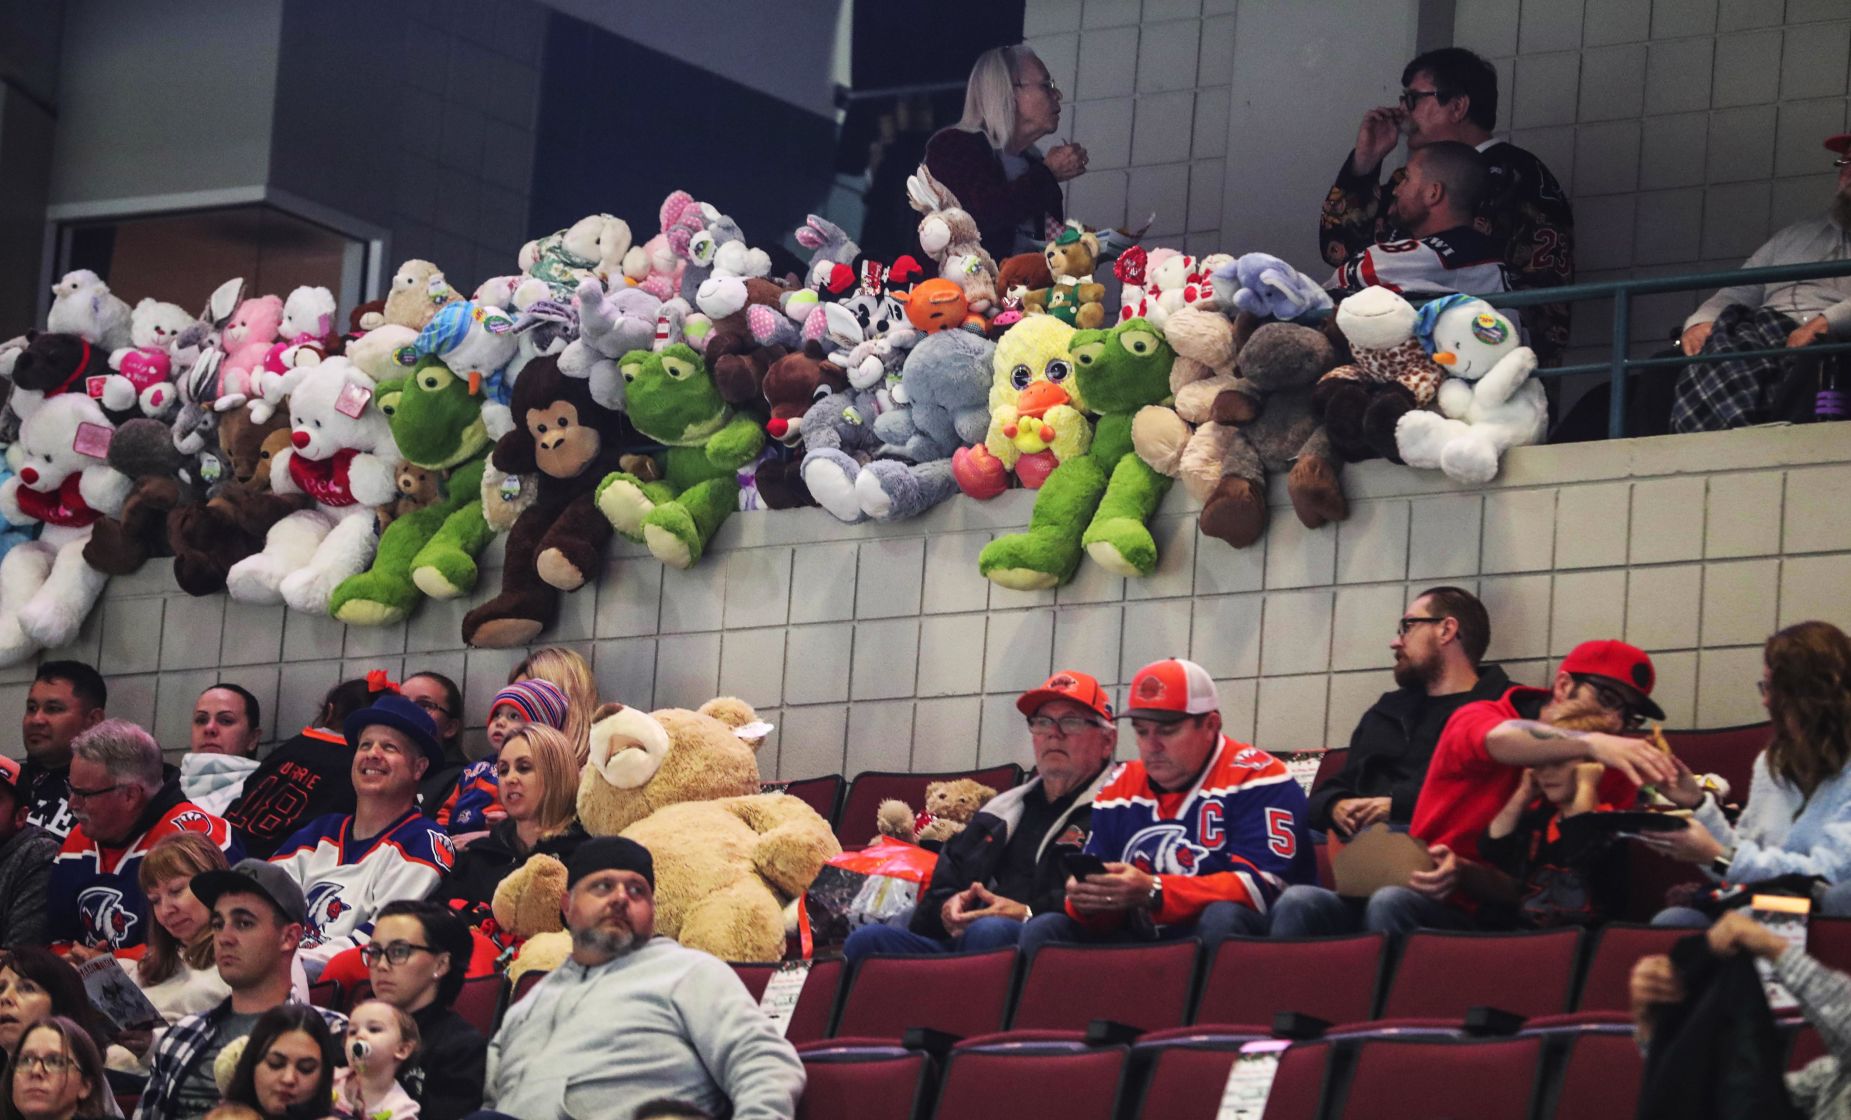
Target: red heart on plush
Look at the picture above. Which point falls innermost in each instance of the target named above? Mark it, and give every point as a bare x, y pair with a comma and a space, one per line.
146, 367
1033, 470
979, 473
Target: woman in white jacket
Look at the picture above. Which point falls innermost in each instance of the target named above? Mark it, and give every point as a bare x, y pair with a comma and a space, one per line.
1797, 819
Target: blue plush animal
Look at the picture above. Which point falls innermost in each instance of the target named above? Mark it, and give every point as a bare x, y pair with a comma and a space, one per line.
1268, 288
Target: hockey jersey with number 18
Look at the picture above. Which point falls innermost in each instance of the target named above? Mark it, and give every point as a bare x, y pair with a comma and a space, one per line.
1237, 835
347, 880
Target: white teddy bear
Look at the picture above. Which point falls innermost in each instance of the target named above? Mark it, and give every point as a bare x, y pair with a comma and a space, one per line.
82, 304
65, 481
308, 319
1488, 402
145, 371
341, 455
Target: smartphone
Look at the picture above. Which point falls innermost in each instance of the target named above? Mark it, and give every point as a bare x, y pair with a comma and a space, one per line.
1079, 865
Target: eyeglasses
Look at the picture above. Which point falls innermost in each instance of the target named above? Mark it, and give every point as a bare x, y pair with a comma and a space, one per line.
1761, 687
1068, 725
1613, 700
86, 794
1842, 161
46, 1063
430, 705
398, 952
1047, 87
1410, 98
1403, 626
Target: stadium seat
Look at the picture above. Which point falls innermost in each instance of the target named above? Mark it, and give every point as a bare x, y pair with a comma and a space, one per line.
1251, 979
355, 996
816, 1004
1829, 940
479, 1001
850, 1086
959, 993
1143, 986
1616, 949
1402, 1079
822, 794
1807, 1045
1728, 751
1600, 1076
524, 985
1187, 1079
1330, 765
1648, 876
1443, 975
325, 993
1076, 1085
855, 825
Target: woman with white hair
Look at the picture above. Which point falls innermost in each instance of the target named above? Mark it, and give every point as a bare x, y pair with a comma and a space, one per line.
989, 161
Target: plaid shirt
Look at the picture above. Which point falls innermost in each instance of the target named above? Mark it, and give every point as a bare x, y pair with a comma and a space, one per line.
181, 1046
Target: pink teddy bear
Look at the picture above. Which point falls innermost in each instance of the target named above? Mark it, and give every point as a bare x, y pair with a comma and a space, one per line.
247, 340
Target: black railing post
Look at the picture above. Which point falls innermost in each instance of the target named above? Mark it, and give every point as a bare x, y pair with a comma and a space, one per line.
1622, 327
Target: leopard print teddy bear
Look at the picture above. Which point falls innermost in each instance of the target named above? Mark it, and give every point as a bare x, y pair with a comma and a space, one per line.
1389, 375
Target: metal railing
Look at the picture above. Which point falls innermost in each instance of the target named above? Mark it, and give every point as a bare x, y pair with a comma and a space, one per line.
1622, 293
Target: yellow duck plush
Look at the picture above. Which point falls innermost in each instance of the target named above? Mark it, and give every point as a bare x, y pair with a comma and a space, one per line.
1035, 405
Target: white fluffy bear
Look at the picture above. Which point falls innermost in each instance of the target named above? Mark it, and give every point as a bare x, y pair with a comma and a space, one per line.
83, 304
308, 320
1488, 402
341, 454
145, 372
65, 481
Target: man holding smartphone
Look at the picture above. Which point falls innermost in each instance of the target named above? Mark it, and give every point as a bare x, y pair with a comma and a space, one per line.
1009, 862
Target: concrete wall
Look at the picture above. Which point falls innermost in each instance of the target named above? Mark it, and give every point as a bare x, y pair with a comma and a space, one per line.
881, 647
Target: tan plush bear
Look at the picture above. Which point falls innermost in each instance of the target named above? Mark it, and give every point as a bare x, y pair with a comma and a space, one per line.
417, 488
1074, 298
729, 860
527, 906
949, 806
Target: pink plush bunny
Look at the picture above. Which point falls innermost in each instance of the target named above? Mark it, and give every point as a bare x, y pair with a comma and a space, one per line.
247, 339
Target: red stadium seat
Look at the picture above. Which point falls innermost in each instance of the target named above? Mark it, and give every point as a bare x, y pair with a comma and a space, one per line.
1076, 1085
1186, 1080
855, 825
1829, 940
1616, 949
1648, 876
479, 1001
816, 1004
959, 993
524, 985
1399, 1079
850, 1086
1600, 1076
1728, 751
1298, 1086
1807, 1045
1143, 986
1443, 975
1331, 978
1330, 765
326, 993
822, 794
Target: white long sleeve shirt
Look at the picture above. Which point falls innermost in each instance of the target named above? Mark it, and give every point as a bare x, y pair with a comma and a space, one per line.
1811, 241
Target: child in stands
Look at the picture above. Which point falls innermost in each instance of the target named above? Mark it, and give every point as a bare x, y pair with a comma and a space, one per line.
1557, 879
381, 1039
475, 804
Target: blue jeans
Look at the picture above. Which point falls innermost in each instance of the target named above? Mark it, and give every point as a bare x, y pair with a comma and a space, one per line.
1307, 911
980, 936
1834, 903
1218, 921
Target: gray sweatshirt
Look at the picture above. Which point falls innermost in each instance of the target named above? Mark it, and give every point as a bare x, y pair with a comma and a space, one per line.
25, 873
661, 1021
1811, 241
1822, 1088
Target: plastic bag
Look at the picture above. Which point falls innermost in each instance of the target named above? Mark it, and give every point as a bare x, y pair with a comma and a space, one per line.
862, 888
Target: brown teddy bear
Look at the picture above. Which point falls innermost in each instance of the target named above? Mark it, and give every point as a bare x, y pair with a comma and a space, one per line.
1073, 297
207, 538
417, 488
949, 806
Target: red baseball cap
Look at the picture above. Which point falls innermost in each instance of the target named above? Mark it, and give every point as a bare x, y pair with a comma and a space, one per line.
1171, 690
9, 773
1066, 684
1840, 143
1621, 664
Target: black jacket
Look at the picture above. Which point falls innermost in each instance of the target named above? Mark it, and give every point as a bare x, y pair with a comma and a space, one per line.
1718, 1054
452, 1063
469, 888
308, 775
1392, 745
973, 855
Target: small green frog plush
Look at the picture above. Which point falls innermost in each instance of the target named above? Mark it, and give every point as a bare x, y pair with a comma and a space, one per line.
670, 397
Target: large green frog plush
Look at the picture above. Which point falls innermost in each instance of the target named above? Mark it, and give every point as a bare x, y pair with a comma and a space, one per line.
671, 397
436, 419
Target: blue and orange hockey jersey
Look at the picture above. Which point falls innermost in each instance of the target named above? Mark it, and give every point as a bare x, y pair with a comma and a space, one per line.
1237, 835
348, 879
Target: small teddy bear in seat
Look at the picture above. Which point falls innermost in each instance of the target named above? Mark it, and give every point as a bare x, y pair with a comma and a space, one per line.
949, 806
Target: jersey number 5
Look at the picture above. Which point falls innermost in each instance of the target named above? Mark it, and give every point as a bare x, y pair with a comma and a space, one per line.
1280, 838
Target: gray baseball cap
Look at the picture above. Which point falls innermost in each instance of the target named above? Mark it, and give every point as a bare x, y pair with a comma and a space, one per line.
254, 876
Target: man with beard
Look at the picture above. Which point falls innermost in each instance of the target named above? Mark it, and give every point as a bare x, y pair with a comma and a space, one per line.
632, 1018
1600, 689
66, 698
1738, 392
1438, 645
1434, 204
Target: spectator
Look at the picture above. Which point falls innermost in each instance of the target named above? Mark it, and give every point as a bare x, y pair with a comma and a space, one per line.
474, 804
1822, 1088
539, 787
258, 915
26, 853
55, 1075
566, 669
443, 702
1200, 834
989, 159
1797, 818
1738, 392
1444, 252
417, 960
287, 1069
1452, 94
34, 983
349, 866
1555, 877
227, 723
1006, 865
125, 803
178, 972
381, 1040
684, 1025
66, 698
308, 775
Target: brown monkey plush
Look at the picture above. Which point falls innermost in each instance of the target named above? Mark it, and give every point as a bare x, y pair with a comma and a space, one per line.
566, 442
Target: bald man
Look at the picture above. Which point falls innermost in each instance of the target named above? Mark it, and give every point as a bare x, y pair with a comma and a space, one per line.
1445, 251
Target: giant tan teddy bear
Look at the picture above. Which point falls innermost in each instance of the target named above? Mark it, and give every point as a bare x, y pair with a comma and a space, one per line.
729, 860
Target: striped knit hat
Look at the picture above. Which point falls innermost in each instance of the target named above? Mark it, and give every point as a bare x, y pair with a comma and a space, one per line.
537, 701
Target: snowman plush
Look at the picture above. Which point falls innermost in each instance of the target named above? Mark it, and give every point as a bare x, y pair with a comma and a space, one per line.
1488, 402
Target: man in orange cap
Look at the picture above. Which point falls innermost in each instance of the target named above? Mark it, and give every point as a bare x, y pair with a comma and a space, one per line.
1738, 392
1007, 863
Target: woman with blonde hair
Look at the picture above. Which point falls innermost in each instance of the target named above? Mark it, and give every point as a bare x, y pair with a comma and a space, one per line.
538, 777
1797, 819
989, 160
572, 673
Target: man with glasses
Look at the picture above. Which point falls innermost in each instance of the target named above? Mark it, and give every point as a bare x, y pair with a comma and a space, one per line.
124, 801
1740, 391
1197, 836
1451, 94
1006, 865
